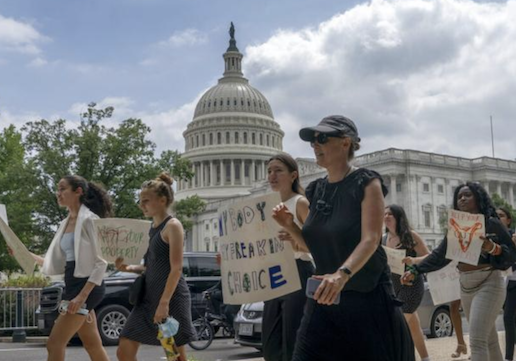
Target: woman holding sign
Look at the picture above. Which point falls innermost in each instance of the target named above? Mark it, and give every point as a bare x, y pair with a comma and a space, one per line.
282, 316
165, 291
343, 232
482, 286
399, 235
74, 251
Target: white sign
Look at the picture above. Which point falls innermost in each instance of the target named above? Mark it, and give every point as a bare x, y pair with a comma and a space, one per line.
125, 238
395, 259
464, 231
256, 265
3, 214
444, 284
20, 252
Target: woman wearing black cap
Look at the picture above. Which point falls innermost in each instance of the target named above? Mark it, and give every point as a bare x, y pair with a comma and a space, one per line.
343, 232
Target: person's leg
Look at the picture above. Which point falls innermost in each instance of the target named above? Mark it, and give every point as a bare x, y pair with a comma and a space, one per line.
89, 335
457, 326
482, 305
62, 332
272, 339
417, 333
127, 349
509, 319
182, 353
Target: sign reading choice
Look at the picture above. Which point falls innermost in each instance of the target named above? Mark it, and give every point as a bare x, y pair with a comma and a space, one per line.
256, 264
120, 237
464, 231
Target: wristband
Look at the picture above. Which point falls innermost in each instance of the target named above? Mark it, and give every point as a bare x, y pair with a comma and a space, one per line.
493, 249
413, 270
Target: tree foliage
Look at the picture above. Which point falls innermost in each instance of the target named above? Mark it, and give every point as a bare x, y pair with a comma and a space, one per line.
188, 208
118, 155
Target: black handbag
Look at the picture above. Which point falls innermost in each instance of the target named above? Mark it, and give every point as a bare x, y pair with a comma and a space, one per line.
137, 290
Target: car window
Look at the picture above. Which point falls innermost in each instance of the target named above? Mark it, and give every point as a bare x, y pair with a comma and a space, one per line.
204, 267
186, 267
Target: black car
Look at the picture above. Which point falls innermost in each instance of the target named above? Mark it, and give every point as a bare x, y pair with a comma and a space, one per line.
200, 270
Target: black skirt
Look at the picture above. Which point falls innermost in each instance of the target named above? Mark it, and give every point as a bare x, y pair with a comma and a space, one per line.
74, 285
365, 326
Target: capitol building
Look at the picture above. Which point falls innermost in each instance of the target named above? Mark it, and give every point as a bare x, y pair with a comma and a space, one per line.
233, 134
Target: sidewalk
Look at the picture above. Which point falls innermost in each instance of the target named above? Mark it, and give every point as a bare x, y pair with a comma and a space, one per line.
440, 349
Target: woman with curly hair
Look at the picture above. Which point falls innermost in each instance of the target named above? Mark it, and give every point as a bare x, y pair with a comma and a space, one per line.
482, 286
399, 235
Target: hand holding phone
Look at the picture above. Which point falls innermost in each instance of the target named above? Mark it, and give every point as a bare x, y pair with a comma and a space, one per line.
311, 286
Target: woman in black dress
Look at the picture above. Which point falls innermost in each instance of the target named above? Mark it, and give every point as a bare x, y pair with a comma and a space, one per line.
166, 292
343, 233
399, 235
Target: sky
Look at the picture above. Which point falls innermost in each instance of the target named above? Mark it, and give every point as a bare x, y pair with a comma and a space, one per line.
413, 74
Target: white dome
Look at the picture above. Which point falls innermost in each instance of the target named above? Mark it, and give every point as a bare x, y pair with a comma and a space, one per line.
233, 95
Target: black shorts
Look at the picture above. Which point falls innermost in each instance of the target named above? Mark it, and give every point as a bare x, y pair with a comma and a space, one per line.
74, 285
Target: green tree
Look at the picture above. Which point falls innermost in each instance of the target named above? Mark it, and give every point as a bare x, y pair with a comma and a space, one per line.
188, 208
120, 158
16, 183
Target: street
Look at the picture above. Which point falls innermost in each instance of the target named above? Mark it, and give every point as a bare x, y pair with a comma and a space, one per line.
220, 349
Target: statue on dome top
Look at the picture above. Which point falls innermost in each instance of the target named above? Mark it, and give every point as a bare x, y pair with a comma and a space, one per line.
232, 31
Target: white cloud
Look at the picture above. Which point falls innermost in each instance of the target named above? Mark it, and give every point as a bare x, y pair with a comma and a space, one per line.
37, 62
19, 37
185, 37
414, 74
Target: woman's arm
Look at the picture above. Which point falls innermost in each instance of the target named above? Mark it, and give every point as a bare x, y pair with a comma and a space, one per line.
173, 235
420, 247
121, 266
372, 221
285, 219
38, 259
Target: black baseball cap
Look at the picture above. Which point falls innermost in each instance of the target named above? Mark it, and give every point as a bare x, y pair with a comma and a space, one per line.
330, 125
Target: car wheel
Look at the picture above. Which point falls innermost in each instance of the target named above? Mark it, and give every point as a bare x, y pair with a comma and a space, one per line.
111, 321
441, 325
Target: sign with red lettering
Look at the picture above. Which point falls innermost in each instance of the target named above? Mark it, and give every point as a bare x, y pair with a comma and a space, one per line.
256, 264
464, 231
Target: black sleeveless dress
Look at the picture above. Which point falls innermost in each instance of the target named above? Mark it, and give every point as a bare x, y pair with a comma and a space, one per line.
140, 326
368, 324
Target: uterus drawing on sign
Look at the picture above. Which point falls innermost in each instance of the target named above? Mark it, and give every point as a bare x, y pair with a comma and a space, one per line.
465, 234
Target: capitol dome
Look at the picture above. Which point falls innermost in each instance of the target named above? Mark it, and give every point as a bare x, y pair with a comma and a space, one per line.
231, 137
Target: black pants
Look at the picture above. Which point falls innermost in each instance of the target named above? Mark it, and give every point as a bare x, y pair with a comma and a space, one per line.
282, 317
509, 320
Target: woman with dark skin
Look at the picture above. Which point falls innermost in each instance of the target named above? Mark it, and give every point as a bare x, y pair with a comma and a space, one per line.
482, 285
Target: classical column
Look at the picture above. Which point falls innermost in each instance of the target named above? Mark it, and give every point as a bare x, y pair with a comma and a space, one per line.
232, 172
499, 188
394, 191
212, 173
252, 173
263, 170
201, 183
194, 178
242, 172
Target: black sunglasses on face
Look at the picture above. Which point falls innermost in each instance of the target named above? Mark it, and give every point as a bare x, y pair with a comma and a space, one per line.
322, 138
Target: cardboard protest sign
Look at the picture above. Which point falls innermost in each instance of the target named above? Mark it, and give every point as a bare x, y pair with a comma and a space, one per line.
464, 231
20, 252
256, 265
444, 284
120, 237
3, 214
395, 258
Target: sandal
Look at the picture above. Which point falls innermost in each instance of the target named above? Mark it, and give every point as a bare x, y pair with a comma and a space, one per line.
461, 349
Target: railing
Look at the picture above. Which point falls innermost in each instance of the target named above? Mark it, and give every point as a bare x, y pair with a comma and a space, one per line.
18, 310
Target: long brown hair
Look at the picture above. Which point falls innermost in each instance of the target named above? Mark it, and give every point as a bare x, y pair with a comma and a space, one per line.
292, 166
93, 195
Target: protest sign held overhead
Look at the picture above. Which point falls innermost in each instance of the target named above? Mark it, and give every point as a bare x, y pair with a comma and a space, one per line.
256, 264
464, 231
20, 252
120, 237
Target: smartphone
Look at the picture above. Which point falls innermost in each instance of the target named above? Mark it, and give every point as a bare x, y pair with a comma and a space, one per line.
311, 286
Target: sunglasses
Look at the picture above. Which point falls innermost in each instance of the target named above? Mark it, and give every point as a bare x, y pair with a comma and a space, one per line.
322, 138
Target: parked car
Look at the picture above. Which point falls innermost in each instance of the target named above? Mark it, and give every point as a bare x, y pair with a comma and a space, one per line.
199, 268
435, 321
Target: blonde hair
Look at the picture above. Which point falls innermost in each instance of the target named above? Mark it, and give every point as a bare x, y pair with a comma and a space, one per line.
161, 186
